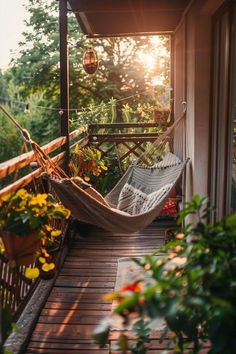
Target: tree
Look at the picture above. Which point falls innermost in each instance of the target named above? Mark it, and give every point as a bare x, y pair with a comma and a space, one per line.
121, 72
129, 69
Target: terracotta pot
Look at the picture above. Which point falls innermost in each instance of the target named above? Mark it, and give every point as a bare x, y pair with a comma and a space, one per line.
21, 250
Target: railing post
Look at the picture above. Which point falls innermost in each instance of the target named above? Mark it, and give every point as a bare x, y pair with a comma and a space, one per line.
64, 76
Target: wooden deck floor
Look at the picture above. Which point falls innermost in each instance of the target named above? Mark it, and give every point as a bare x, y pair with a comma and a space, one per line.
75, 304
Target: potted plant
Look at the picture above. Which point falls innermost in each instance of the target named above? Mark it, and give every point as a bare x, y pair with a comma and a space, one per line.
87, 163
192, 287
25, 224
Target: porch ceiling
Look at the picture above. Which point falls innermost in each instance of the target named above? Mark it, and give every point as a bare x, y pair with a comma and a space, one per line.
102, 18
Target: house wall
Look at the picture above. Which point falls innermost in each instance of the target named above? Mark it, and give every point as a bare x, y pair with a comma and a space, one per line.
192, 83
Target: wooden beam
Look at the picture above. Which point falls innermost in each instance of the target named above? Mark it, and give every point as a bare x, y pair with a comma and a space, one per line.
64, 77
120, 139
122, 135
104, 6
126, 125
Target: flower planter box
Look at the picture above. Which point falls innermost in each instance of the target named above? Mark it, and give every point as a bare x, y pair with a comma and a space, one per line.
20, 250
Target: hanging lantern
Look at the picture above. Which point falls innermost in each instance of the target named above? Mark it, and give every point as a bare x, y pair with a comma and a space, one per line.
90, 61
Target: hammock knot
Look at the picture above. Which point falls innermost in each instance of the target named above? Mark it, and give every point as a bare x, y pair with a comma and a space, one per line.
26, 136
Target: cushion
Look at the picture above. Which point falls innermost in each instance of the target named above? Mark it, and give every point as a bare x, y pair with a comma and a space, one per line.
170, 207
134, 201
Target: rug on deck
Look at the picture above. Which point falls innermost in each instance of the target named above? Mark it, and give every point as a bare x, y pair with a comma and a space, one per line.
128, 272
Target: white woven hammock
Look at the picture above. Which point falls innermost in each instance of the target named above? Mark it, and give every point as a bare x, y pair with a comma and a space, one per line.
139, 196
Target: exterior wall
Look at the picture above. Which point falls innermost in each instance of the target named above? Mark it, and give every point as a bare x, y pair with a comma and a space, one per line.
192, 52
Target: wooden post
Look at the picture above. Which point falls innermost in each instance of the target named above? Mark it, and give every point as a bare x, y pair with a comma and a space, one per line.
64, 77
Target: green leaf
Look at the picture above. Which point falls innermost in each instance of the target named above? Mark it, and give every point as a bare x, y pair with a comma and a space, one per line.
231, 221
127, 303
101, 332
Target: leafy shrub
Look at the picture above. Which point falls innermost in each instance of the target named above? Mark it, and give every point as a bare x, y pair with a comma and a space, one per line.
192, 287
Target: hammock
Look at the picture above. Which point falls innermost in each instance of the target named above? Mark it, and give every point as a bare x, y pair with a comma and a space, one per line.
138, 197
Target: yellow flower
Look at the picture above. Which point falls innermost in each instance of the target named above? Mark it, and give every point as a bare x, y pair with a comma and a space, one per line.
39, 199
42, 260
87, 179
56, 233
48, 228
22, 193
105, 168
48, 266
31, 273
109, 297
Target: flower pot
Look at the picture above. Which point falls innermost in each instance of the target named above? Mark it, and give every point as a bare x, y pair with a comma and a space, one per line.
21, 250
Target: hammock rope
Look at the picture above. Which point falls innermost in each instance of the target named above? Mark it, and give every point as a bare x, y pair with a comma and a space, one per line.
165, 138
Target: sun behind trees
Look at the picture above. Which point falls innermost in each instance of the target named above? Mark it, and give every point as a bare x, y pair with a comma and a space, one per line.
133, 69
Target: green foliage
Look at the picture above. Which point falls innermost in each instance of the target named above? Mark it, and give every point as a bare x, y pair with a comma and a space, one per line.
109, 178
11, 143
87, 163
6, 321
192, 286
6, 326
122, 90
142, 331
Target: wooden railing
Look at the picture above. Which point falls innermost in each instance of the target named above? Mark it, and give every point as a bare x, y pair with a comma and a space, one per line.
24, 160
15, 288
129, 139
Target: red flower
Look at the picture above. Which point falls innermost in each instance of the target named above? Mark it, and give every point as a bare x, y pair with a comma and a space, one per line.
135, 287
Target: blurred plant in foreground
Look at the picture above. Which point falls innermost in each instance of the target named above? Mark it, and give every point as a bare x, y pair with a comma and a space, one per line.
192, 287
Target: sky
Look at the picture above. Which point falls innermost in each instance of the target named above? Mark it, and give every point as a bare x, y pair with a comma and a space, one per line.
12, 16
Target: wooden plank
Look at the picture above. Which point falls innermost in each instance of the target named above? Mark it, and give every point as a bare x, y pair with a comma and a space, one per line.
88, 278
145, 247
84, 299
122, 135
68, 282
60, 330
119, 139
64, 345
89, 272
113, 126
80, 291
72, 319
75, 304
65, 351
